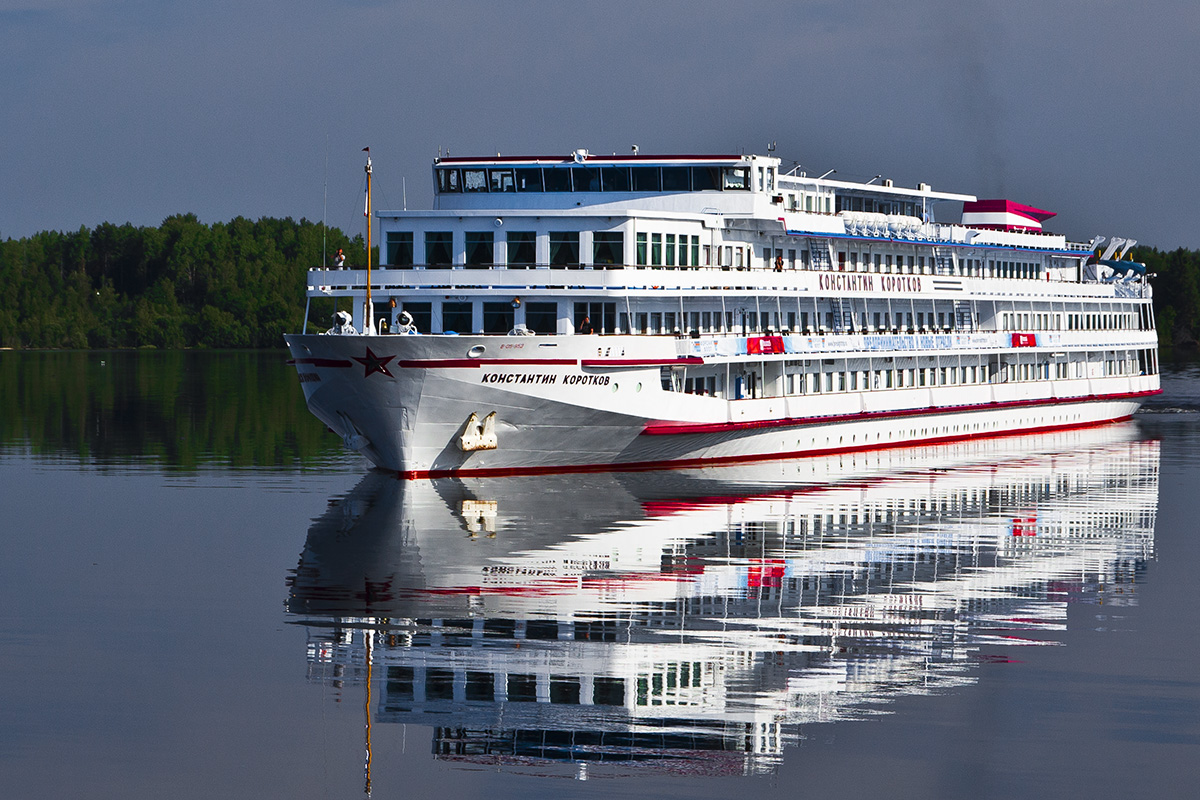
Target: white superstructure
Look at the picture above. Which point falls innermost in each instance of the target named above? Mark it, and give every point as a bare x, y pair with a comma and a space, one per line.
598, 312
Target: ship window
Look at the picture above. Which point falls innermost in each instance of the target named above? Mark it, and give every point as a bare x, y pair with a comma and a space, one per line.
670, 249
564, 248
735, 179
481, 687
439, 248
608, 691
564, 689
646, 179
608, 247
695, 251
501, 180
641, 249
656, 249
529, 179
522, 248
474, 180
557, 180
497, 317
615, 179
400, 248
439, 684
676, 179
480, 251
587, 179
541, 317
449, 180
400, 683
705, 178
522, 688
456, 317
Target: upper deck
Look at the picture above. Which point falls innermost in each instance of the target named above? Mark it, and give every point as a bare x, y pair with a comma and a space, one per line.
750, 194
723, 184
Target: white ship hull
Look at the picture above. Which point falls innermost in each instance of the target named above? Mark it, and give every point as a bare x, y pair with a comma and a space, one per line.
415, 404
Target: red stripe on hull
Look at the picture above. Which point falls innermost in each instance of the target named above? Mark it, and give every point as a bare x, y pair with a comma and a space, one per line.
641, 362
691, 463
674, 428
475, 363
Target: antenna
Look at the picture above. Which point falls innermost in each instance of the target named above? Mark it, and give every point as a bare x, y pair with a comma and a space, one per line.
771, 146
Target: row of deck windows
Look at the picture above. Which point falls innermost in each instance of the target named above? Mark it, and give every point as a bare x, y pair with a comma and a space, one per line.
795, 378
1022, 321
603, 317
519, 249
456, 180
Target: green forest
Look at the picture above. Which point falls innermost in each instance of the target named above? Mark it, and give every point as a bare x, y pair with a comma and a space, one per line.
183, 284
238, 284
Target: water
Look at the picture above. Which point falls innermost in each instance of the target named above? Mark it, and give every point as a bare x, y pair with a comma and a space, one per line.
203, 595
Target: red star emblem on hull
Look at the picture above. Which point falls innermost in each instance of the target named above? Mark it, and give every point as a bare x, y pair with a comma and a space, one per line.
373, 363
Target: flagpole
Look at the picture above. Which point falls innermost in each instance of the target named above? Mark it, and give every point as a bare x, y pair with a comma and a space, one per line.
369, 316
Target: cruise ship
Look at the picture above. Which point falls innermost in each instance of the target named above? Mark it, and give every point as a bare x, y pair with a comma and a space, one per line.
587, 312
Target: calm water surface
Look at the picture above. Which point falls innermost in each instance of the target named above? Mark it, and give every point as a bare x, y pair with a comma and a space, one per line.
202, 595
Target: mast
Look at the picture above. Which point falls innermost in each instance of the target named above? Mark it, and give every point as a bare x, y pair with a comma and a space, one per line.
369, 315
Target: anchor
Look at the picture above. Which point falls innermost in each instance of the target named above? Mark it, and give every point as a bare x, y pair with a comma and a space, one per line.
478, 435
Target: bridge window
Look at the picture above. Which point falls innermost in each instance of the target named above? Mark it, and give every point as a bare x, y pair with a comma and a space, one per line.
529, 179
705, 178
735, 179
474, 180
557, 180
449, 180
587, 179
501, 180
615, 179
676, 179
647, 179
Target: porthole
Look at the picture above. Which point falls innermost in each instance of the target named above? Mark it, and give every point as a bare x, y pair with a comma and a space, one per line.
476, 351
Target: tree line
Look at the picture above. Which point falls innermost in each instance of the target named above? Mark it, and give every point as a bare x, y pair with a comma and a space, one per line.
182, 284
241, 284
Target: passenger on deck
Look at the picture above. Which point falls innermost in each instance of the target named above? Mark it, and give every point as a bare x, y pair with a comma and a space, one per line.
339, 261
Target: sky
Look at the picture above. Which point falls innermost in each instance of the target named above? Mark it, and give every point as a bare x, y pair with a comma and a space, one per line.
134, 110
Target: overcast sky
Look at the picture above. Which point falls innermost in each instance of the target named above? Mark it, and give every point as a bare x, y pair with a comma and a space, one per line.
133, 110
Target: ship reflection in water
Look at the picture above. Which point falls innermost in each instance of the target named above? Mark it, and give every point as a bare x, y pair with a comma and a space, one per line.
698, 621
